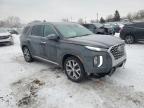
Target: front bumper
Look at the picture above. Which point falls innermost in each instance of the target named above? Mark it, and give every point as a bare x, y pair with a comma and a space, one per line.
7, 40
108, 63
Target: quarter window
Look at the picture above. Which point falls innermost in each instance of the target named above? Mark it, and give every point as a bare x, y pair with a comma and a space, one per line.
37, 30
26, 29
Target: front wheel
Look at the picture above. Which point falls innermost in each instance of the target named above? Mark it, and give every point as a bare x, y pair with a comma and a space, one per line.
129, 39
74, 69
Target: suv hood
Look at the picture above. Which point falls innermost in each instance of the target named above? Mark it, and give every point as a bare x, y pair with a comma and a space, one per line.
101, 41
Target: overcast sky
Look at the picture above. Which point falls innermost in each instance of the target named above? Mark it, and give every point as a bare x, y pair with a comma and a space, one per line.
55, 10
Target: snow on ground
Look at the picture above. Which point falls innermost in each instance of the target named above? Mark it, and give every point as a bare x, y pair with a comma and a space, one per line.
116, 35
43, 85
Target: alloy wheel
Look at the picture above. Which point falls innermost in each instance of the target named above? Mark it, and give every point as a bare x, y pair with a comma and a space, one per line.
27, 55
129, 39
73, 69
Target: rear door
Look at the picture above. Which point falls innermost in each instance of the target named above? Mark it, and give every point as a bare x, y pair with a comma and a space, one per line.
142, 30
139, 30
35, 40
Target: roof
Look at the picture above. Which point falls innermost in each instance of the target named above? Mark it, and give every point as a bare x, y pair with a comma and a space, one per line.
44, 22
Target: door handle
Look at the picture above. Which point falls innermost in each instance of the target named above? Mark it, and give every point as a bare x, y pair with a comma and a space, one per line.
43, 42
28, 40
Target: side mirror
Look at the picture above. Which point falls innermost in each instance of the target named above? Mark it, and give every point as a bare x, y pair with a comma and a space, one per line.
52, 37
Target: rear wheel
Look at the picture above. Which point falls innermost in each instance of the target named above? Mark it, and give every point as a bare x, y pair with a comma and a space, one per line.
74, 69
129, 39
27, 55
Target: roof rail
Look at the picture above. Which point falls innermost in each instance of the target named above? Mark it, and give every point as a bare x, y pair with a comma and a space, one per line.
35, 21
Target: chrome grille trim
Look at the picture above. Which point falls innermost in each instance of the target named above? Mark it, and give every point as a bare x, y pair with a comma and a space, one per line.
118, 60
117, 51
4, 37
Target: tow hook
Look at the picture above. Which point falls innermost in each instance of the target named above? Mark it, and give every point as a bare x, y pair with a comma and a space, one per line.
112, 71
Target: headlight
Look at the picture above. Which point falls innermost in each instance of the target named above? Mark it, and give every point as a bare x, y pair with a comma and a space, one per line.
95, 48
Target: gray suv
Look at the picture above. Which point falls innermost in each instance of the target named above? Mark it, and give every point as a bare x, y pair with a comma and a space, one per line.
73, 47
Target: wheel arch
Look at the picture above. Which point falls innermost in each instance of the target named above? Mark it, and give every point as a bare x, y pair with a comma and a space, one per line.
23, 46
130, 33
71, 55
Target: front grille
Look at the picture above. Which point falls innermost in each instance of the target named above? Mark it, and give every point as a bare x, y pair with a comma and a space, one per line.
118, 51
4, 37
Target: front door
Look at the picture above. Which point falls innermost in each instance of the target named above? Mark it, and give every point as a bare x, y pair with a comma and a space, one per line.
50, 47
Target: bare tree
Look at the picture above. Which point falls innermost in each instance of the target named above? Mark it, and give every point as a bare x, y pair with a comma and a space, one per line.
13, 21
80, 21
65, 20
109, 18
93, 21
141, 14
2, 23
130, 17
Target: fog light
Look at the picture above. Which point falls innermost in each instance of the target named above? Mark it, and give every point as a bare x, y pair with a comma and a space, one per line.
95, 60
98, 60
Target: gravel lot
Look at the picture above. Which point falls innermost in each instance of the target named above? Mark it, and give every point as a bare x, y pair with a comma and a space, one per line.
43, 85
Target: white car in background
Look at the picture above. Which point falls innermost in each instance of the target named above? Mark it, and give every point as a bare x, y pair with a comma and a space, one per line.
6, 37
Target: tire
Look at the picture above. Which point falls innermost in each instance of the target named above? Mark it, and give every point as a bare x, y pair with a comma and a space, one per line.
74, 73
100, 75
129, 39
11, 43
27, 55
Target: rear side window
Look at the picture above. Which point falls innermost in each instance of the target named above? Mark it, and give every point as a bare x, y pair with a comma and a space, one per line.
139, 25
26, 29
37, 30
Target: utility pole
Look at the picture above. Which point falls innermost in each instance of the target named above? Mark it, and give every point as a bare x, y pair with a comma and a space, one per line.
71, 19
97, 17
85, 20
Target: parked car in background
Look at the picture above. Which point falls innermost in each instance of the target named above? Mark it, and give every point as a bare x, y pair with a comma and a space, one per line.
115, 26
73, 47
13, 32
110, 29
132, 33
5, 37
99, 28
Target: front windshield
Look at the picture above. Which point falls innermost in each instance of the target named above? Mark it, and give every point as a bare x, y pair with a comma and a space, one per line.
71, 30
3, 30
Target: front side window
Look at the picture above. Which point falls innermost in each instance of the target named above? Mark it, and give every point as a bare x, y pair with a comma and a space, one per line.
48, 30
37, 30
141, 25
71, 30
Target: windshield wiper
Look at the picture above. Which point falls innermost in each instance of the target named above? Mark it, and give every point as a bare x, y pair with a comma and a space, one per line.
80, 35
85, 34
